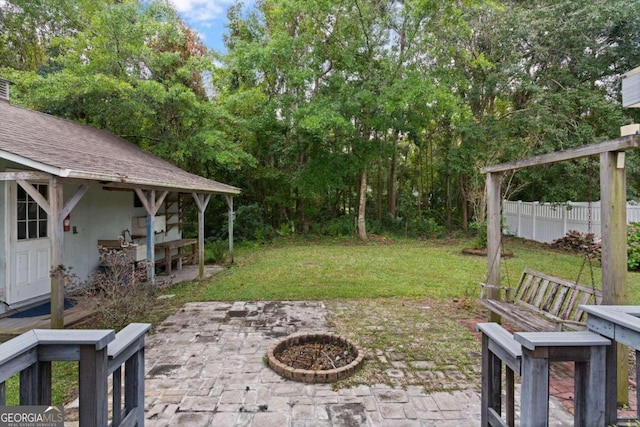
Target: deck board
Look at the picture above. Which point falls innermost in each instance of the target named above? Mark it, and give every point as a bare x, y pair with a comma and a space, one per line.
11, 327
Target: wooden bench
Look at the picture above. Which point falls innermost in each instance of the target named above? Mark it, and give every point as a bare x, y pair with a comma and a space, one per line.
180, 256
541, 302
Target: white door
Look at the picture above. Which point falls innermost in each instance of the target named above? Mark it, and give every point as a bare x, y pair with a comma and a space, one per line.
30, 261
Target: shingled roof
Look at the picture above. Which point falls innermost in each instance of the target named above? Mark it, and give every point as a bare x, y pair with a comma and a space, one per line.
71, 150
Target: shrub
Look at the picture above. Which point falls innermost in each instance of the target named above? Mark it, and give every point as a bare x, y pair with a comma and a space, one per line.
480, 229
428, 228
633, 246
249, 224
215, 251
286, 230
341, 226
118, 292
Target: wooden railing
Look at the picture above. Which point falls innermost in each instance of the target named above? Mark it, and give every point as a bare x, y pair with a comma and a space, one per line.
620, 323
529, 355
99, 353
596, 376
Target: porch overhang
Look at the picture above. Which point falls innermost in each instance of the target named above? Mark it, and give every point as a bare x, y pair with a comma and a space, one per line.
43, 171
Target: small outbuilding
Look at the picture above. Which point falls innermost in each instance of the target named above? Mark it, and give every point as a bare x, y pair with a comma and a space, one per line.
65, 188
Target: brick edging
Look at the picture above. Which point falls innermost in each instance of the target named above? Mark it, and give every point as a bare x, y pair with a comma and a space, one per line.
313, 376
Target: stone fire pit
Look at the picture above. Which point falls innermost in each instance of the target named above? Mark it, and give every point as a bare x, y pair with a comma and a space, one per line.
315, 358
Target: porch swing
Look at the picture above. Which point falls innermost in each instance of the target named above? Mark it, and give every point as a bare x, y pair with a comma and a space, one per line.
542, 302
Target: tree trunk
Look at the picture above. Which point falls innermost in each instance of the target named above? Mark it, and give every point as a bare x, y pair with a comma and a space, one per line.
420, 184
362, 228
379, 195
392, 178
465, 204
448, 196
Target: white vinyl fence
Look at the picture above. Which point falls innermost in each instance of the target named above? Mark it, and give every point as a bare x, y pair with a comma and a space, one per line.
546, 222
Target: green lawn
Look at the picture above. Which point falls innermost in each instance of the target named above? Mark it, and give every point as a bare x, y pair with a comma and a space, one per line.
343, 269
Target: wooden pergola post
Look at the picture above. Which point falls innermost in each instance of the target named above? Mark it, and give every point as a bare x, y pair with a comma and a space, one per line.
494, 236
613, 195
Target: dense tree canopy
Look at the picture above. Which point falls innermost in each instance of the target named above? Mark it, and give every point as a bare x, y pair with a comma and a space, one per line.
346, 116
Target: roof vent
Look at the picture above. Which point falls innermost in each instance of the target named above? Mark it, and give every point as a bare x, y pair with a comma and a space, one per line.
4, 89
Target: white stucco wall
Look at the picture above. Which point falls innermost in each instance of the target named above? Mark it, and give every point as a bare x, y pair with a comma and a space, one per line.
100, 215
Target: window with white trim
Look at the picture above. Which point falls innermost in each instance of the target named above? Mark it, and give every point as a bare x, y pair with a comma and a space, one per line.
32, 219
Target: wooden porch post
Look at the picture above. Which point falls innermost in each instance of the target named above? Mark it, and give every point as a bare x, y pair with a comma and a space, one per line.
56, 211
613, 193
151, 205
151, 241
202, 201
231, 214
494, 236
56, 234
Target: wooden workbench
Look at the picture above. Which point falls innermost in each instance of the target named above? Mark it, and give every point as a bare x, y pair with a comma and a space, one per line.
179, 244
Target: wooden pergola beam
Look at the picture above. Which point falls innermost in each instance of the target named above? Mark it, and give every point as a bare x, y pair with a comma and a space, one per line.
619, 144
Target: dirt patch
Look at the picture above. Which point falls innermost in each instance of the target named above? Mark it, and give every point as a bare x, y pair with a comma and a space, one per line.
483, 252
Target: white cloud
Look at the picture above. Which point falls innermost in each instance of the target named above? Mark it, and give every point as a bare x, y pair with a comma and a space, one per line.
207, 18
201, 10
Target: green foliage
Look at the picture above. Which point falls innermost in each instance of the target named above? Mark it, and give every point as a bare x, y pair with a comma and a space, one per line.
480, 230
633, 246
343, 226
249, 224
339, 227
285, 230
426, 228
141, 78
216, 251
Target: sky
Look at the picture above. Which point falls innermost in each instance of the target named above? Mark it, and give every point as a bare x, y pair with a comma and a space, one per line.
207, 17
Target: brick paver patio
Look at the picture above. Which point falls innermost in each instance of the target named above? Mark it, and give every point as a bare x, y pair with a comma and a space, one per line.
205, 366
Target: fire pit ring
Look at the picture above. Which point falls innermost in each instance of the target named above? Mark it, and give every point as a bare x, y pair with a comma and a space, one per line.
313, 376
